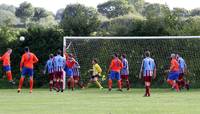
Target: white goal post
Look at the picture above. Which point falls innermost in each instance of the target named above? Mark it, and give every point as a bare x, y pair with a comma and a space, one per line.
67, 44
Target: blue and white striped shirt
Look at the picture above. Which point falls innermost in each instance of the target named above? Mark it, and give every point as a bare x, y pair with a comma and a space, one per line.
49, 66
59, 63
148, 66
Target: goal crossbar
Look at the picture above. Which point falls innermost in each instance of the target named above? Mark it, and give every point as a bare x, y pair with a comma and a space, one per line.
135, 37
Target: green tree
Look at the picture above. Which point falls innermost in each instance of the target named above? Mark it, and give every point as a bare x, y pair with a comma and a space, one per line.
79, 20
44, 22
181, 12
191, 26
39, 13
8, 8
115, 8
59, 14
7, 18
25, 12
138, 4
155, 10
195, 12
119, 26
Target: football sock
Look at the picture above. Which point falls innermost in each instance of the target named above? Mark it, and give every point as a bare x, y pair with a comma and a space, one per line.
110, 84
98, 84
119, 84
31, 84
21, 82
9, 75
127, 84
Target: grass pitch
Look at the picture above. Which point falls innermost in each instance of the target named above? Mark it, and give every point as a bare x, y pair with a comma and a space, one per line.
95, 101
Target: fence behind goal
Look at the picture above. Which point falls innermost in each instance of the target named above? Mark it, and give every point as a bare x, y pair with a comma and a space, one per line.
102, 48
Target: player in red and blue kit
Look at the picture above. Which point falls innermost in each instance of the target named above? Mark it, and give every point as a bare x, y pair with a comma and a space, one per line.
26, 68
70, 62
50, 70
114, 69
173, 73
182, 71
6, 65
125, 72
59, 65
148, 69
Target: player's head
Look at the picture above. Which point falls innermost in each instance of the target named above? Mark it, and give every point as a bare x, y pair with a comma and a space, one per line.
9, 50
124, 56
51, 56
177, 56
147, 53
94, 61
59, 52
70, 55
26, 49
115, 55
173, 56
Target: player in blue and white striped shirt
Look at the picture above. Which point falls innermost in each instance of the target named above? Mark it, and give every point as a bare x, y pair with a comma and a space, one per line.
182, 71
50, 70
59, 65
76, 75
148, 69
125, 71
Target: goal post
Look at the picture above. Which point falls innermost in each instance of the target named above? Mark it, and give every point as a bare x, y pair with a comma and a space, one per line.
102, 48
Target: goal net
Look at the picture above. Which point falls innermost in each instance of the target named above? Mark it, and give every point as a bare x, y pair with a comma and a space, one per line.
85, 49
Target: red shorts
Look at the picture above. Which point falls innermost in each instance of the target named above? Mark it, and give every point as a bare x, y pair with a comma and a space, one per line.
147, 78
76, 78
124, 77
181, 76
51, 76
59, 75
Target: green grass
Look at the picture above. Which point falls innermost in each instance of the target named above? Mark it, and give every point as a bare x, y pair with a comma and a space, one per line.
94, 101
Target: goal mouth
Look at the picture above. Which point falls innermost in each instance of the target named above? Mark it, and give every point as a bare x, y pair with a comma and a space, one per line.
161, 47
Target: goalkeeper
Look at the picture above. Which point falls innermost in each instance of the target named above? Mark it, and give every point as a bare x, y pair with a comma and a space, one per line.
96, 73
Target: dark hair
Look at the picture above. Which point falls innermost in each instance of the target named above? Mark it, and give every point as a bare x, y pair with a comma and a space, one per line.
147, 53
51, 56
70, 55
59, 52
115, 55
95, 60
124, 55
26, 49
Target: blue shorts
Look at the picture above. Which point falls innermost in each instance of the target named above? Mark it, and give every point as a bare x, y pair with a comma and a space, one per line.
173, 75
7, 68
70, 72
114, 75
66, 69
27, 71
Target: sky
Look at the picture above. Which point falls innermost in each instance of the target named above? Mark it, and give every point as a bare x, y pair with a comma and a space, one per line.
54, 5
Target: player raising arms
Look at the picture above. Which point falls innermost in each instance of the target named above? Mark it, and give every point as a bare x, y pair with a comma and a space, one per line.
26, 67
125, 72
148, 69
6, 65
70, 62
50, 69
114, 69
59, 65
96, 73
182, 71
173, 73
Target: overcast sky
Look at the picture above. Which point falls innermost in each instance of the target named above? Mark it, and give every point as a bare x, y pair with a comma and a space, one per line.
54, 5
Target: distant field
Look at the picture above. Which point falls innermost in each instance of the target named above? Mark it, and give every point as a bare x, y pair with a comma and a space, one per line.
94, 101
